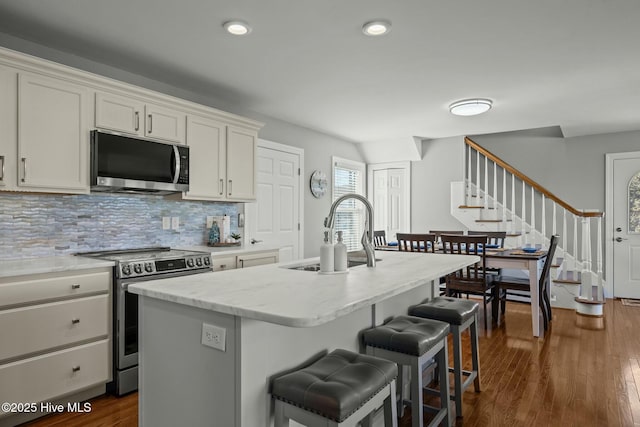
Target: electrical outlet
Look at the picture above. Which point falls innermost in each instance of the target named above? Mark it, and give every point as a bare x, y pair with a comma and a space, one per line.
210, 220
214, 336
175, 223
166, 222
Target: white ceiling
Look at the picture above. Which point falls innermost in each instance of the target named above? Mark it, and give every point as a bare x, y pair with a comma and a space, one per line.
570, 63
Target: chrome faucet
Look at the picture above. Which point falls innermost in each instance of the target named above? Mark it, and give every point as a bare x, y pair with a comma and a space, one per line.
367, 236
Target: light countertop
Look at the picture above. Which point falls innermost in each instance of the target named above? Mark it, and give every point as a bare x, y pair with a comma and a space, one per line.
22, 267
287, 297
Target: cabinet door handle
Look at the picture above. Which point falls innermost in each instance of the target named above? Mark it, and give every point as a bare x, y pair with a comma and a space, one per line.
220, 186
230, 187
24, 169
75, 286
75, 369
2, 170
150, 123
137, 115
75, 321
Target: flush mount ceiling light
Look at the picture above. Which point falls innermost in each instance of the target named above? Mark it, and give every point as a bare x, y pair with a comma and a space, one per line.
376, 28
470, 107
237, 28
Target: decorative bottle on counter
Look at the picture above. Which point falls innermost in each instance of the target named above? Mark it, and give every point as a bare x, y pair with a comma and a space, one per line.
340, 254
326, 255
214, 233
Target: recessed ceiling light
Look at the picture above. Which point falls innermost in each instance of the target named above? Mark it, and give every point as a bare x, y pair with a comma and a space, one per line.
376, 28
470, 107
237, 28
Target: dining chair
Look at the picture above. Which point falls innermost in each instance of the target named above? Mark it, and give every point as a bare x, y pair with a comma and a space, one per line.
472, 279
494, 238
379, 238
504, 284
411, 242
439, 233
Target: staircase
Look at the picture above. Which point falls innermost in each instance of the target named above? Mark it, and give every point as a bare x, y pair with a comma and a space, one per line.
494, 196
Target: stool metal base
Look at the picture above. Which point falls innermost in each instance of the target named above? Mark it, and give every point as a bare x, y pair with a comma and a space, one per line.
284, 411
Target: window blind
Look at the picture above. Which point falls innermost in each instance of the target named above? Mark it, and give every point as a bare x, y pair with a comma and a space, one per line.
350, 214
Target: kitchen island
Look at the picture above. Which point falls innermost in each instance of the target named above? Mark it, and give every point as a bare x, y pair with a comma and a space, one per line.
274, 318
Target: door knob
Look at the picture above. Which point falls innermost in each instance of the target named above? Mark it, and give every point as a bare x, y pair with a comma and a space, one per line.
618, 229
620, 239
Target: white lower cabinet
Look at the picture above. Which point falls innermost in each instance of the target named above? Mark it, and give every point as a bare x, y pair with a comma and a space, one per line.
223, 262
255, 259
55, 331
42, 378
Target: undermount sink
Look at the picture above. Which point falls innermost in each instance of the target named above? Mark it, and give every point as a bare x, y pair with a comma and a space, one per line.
352, 262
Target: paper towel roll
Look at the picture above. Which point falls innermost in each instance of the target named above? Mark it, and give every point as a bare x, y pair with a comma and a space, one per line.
225, 229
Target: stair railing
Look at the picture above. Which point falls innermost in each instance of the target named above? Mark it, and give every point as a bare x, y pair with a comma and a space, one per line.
532, 217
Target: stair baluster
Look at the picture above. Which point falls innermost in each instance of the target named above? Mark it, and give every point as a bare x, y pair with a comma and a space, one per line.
504, 199
467, 194
575, 247
513, 203
543, 225
524, 214
486, 182
532, 226
565, 243
495, 186
599, 252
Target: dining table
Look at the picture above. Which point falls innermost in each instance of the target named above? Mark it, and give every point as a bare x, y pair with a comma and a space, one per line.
513, 259
517, 259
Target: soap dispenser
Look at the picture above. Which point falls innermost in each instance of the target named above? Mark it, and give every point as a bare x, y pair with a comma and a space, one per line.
326, 255
340, 254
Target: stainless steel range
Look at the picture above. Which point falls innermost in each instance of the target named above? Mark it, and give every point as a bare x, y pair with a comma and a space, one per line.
137, 265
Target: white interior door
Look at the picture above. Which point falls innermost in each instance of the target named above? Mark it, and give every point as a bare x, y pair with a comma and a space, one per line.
626, 227
397, 194
390, 188
275, 216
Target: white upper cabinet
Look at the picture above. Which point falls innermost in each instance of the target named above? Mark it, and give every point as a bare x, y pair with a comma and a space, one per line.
119, 114
165, 124
222, 161
241, 163
207, 140
128, 115
53, 134
8, 128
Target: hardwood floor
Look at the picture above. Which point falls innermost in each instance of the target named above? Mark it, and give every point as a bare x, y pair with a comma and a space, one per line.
586, 372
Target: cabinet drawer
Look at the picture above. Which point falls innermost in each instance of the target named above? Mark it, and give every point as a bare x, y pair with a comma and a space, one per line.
45, 377
224, 263
35, 328
59, 286
254, 260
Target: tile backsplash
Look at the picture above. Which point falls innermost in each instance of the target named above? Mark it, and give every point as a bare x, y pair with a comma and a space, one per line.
52, 225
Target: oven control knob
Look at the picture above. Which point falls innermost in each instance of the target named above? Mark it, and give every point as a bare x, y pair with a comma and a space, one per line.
190, 262
199, 262
207, 261
148, 267
137, 268
126, 270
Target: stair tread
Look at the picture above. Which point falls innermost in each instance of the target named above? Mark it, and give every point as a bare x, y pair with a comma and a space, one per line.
492, 220
588, 301
514, 234
557, 263
470, 207
571, 278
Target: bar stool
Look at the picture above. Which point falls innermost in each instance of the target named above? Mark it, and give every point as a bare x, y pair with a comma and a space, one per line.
414, 342
460, 314
338, 390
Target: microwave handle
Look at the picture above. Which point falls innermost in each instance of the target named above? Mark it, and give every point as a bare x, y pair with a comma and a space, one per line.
176, 156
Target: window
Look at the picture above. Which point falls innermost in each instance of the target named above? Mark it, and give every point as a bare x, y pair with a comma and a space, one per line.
348, 177
634, 204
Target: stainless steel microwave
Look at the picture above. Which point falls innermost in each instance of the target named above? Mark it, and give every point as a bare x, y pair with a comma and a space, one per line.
121, 164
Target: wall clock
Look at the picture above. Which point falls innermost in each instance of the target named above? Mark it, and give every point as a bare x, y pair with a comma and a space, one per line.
318, 184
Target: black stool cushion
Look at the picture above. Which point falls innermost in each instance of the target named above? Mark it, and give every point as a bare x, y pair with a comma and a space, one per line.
336, 385
454, 311
406, 334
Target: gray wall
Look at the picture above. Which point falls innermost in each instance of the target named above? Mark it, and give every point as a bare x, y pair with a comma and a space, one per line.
318, 147
442, 163
572, 168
